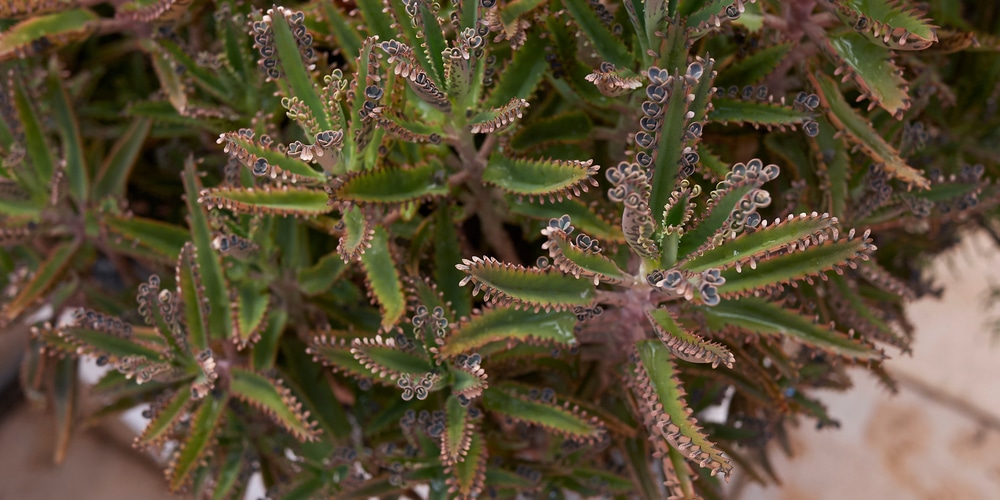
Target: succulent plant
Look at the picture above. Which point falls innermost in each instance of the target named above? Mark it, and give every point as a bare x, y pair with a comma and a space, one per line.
491, 248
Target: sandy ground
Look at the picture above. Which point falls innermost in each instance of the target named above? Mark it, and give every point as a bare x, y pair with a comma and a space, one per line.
938, 439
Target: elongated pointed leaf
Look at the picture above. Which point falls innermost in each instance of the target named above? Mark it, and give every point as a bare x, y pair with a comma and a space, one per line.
879, 79
69, 132
275, 400
192, 294
773, 238
37, 34
662, 393
508, 284
447, 253
384, 358
310, 381
166, 417
757, 113
389, 185
383, 279
504, 324
45, 277
609, 46
298, 201
467, 478
458, 430
586, 218
686, 345
98, 343
250, 312
118, 164
887, 23
197, 445
293, 68
318, 278
569, 126
335, 352
541, 179
562, 419
521, 76
580, 262
266, 162
775, 272
42, 159
220, 315
764, 318
860, 132
754, 67
159, 238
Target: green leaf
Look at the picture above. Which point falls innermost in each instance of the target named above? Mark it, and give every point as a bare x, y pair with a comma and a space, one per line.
468, 477
252, 304
504, 324
571, 259
293, 69
457, 435
45, 277
686, 345
166, 417
288, 200
701, 237
205, 424
37, 34
114, 172
878, 78
335, 352
265, 351
192, 294
754, 67
586, 218
227, 481
446, 254
357, 236
542, 179
385, 359
389, 185
200, 74
569, 126
609, 46
309, 379
170, 80
383, 279
275, 400
98, 343
216, 289
521, 75
663, 395
757, 113
69, 131
525, 287
768, 239
569, 422
319, 277
42, 160
344, 33
832, 157
860, 132
162, 239
433, 40
792, 265
886, 23
765, 318
249, 151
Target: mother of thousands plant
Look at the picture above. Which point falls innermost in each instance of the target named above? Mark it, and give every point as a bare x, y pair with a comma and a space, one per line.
482, 248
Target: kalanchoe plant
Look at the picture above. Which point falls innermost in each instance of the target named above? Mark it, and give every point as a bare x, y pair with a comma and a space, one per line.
493, 248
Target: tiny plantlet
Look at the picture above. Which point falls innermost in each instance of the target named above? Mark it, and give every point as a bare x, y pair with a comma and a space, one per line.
480, 248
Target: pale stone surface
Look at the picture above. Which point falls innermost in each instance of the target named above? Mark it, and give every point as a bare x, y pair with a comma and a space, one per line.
912, 446
96, 467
